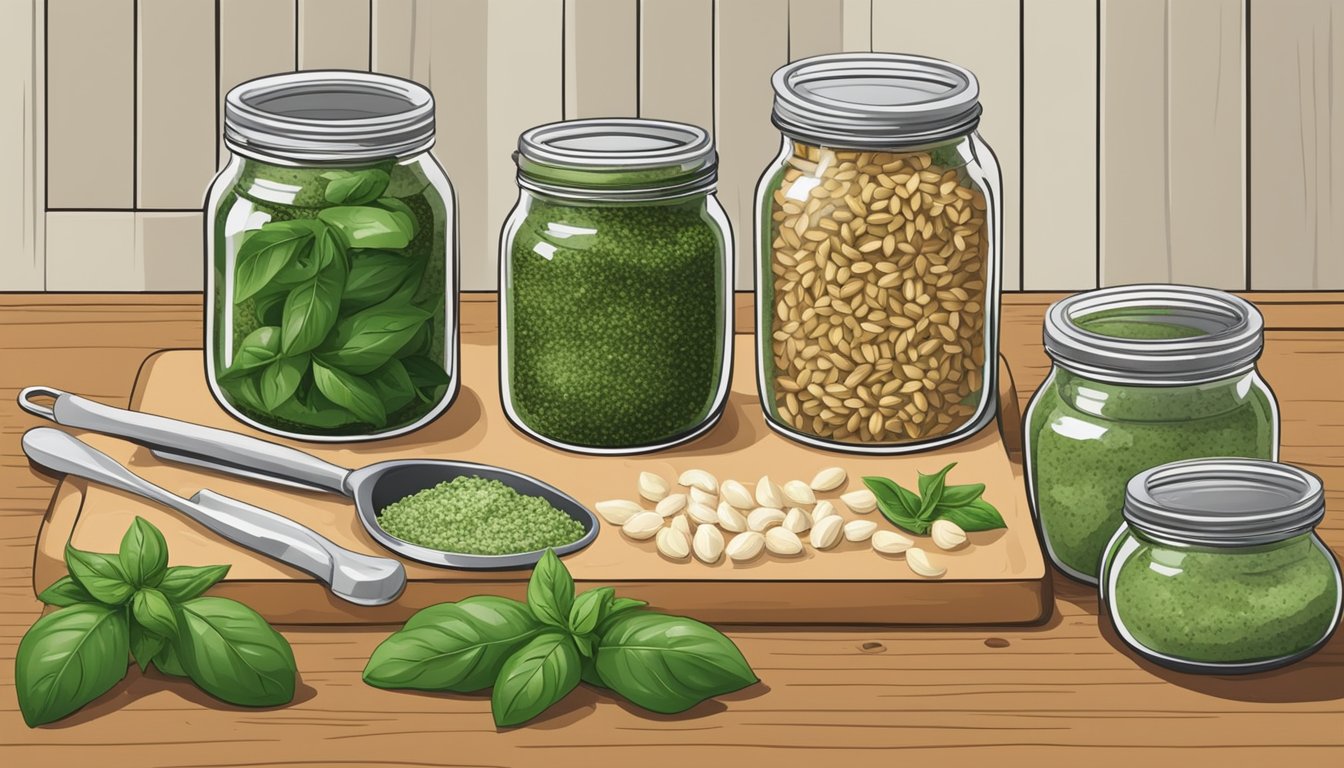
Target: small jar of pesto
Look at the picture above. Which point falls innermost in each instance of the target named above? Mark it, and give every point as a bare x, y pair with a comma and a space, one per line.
1217, 568
616, 299
1143, 375
331, 248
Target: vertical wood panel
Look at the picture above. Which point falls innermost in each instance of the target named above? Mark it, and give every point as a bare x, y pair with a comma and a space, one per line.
334, 34
815, 27
169, 249
256, 37
21, 177
176, 120
983, 36
751, 42
93, 251
1297, 144
601, 62
91, 103
857, 25
1173, 142
676, 67
1059, 138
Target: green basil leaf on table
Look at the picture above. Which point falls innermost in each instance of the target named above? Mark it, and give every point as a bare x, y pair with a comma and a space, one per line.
231, 653
960, 495
459, 647
897, 504
311, 308
145, 645
101, 575
65, 591
979, 515
538, 675
259, 349
69, 658
590, 608
144, 554
550, 591
375, 276
266, 252
669, 664
588, 672
931, 491
280, 380
401, 209
620, 605
584, 643
362, 342
369, 227
183, 582
355, 187
167, 662
152, 611
350, 392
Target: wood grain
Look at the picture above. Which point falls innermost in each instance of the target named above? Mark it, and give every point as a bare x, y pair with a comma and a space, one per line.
1064, 693
175, 106
601, 63
22, 172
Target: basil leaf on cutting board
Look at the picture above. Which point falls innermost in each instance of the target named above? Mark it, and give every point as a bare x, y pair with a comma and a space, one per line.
979, 515
101, 575
151, 610
931, 489
355, 187
65, 591
145, 645
550, 591
69, 658
267, 251
365, 340
369, 227
458, 647
144, 554
541, 673
351, 393
167, 662
231, 653
183, 582
669, 664
590, 609
960, 504
897, 504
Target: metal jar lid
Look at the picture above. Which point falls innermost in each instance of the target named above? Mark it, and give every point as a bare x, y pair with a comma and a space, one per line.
1224, 502
617, 159
875, 100
1231, 335
329, 116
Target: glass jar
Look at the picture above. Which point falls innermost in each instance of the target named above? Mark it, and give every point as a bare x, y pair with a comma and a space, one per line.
616, 306
878, 241
1143, 375
331, 246
1217, 567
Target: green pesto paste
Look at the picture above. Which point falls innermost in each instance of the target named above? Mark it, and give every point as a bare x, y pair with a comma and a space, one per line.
1086, 439
1223, 605
615, 321
473, 515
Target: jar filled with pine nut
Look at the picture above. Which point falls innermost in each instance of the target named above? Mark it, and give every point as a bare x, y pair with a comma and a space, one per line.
878, 243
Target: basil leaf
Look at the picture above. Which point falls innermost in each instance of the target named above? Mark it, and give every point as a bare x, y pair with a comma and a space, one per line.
367, 339
375, 276
270, 307
960, 495
144, 554
183, 582
400, 209
311, 309
979, 515
69, 658
245, 390
267, 251
424, 372
355, 187
622, 604
351, 393
393, 385
259, 349
931, 491
153, 612
167, 662
458, 647
315, 409
101, 575
550, 591
368, 227
585, 645
231, 653
541, 673
145, 645
897, 504
65, 591
669, 664
588, 672
589, 609
280, 380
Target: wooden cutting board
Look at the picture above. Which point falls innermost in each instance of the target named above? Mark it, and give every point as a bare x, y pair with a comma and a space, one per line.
1000, 578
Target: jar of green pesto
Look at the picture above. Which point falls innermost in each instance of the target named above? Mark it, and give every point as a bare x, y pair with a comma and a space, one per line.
1143, 375
616, 299
331, 246
1217, 567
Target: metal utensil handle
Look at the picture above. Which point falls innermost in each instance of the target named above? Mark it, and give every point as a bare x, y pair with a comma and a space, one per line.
217, 448
265, 532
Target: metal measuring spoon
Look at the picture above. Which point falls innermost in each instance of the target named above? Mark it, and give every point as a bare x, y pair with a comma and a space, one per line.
372, 487
360, 579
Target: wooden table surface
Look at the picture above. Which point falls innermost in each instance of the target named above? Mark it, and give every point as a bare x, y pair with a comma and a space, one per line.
1062, 691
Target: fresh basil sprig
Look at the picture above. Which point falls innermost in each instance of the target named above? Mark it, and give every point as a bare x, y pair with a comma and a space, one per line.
960, 504
133, 604
533, 654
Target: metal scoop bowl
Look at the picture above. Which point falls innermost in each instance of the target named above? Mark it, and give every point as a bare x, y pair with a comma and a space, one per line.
372, 487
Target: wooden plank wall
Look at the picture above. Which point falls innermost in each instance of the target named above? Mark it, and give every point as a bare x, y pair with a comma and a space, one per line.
1140, 140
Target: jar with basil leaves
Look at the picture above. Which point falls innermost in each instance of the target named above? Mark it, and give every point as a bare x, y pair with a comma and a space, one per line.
331, 250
